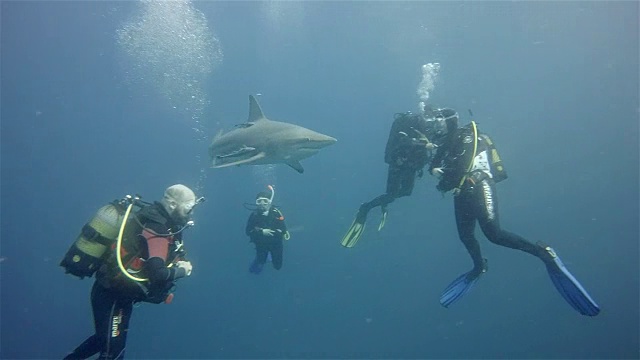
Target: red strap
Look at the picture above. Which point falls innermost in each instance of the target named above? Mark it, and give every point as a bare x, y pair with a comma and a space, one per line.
158, 246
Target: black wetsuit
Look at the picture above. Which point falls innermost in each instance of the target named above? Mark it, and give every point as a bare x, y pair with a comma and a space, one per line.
266, 244
406, 159
477, 199
113, 295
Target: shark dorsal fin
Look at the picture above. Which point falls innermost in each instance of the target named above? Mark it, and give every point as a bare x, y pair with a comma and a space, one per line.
255, 112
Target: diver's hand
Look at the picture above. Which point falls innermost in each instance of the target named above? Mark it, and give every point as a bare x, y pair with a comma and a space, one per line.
437, 172
423, 141
267, 232
186, 265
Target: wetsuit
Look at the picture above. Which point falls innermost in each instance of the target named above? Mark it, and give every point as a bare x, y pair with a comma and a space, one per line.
406, 158
145, 255
476, 198
264, 244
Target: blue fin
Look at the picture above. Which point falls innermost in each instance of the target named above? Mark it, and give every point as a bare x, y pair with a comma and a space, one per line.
255, 268
569, 287
460, 286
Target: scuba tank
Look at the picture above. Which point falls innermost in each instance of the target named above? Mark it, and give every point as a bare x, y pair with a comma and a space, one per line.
497, 168
86, 254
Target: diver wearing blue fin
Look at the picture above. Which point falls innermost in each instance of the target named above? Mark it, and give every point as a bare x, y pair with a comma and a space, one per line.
468, 164
267, 230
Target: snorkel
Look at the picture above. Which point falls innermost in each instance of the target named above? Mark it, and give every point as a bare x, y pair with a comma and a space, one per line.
273, 193
262, 195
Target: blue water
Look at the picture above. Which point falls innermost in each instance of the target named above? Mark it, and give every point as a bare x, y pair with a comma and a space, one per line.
97, 103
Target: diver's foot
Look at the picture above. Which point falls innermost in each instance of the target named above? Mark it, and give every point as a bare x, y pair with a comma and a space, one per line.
256, 267
363, 211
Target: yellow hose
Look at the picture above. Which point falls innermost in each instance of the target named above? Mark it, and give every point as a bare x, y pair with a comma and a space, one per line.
119, 246
475, 150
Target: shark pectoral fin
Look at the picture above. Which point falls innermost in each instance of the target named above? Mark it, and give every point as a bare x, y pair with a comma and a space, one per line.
295, 164
256, 157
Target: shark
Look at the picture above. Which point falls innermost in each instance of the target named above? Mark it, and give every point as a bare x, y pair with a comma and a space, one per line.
261, 141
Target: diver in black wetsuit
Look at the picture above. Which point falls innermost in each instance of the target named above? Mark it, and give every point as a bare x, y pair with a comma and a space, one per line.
410, 147
267, 230
151, 251
468, 164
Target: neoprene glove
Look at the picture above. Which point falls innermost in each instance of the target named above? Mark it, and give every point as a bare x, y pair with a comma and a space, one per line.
267, 232
437, 172
186, 265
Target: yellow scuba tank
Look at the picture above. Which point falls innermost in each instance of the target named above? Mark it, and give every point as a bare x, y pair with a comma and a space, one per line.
497, 168
86, 254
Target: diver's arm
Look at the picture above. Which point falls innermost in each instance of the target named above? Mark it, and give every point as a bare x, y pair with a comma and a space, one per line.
253, 230
441, 152
250, 229
158, 272
279, 226
158, 249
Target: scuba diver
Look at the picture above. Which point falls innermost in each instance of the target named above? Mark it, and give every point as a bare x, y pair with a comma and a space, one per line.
468, 164
136, 257
410, 147
266, 230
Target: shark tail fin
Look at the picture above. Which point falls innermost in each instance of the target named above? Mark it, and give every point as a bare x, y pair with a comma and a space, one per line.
255, 112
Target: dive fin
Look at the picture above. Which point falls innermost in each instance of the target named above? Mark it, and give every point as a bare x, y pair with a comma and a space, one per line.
296, 165
460, 286
383, 220
355, 230
569, 287
255, 268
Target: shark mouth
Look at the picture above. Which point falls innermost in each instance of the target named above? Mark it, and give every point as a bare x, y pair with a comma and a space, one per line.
241, 156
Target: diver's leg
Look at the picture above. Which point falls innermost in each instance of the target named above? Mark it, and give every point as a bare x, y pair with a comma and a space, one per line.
261, 253
116, 330
88, 348
566, 284
407, 181
260, 259
465, 213
489, 219
357, 226
276, 254
93, 344
394, 180
465, 221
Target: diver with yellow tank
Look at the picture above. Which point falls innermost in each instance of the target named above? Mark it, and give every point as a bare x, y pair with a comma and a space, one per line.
468, 165
136, 252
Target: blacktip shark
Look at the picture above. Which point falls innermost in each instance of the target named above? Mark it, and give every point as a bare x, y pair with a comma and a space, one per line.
262, 141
